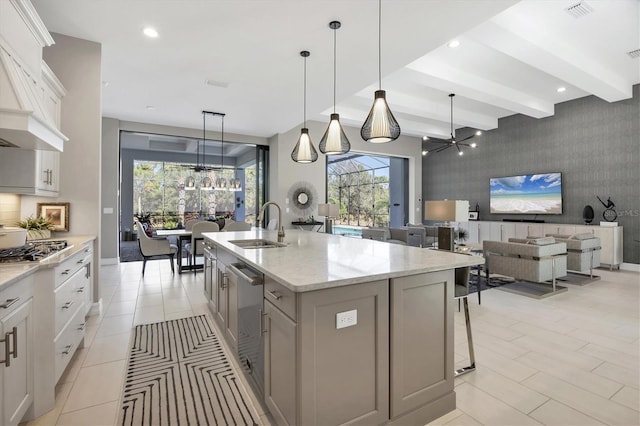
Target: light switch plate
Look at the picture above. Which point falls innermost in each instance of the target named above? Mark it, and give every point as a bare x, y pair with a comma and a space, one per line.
346, 319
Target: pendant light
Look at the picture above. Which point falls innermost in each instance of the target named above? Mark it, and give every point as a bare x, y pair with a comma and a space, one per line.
304, 152
380, 125
190, 183
441, 145
205, 183
334, 141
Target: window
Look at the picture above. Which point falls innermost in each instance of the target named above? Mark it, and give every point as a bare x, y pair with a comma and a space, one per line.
158, 191
359, 185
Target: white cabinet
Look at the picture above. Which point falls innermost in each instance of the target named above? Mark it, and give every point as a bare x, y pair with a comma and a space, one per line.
610, 243
16, 351
24, 171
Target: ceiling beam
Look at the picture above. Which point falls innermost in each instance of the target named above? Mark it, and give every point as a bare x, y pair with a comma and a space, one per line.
528, 42
437, 74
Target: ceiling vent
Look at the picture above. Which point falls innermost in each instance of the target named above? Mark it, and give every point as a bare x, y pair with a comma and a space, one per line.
579, 10
635, 54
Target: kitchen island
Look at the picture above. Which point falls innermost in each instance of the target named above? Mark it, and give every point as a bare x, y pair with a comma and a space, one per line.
350, 331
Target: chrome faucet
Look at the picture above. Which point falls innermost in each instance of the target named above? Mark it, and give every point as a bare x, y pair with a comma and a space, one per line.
280, 227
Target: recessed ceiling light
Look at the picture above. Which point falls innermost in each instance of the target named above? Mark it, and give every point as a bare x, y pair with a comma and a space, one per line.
150, 32
425, 152
453, 44
561, 89
425, 138
210, 82
151, 107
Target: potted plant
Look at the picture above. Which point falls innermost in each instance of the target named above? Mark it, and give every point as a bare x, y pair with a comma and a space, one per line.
37, 228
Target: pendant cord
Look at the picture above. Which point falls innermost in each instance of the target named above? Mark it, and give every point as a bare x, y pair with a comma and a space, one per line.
379, 45
452, 136
334, 70
304, 101
222, 148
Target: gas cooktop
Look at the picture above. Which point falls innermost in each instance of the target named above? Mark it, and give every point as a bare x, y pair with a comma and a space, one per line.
32, 252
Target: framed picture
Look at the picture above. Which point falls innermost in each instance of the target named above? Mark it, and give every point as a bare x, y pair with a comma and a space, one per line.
473, 215
56, 213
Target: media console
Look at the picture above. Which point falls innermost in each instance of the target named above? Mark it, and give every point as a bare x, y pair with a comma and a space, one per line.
524, 220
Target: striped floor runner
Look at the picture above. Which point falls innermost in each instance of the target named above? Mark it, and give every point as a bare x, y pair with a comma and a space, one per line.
178, 374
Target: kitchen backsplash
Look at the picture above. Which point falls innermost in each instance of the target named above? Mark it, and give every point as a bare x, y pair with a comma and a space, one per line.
9, 209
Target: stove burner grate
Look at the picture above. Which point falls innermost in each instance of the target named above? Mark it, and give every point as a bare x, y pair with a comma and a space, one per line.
32, 251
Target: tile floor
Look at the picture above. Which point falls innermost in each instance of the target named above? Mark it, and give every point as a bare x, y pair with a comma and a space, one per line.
572, 359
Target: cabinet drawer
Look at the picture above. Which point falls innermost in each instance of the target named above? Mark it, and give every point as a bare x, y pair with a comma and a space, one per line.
67, 342
281, 297
72, 264
68, 298
15, 295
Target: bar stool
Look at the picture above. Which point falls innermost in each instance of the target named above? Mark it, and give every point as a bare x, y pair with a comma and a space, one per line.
461, 290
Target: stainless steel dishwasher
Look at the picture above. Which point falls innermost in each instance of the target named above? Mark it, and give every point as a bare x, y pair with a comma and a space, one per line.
250, 307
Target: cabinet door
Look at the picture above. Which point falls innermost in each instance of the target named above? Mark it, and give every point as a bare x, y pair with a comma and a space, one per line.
48, 171
280, 365
221, 314
419, 373
472, 228
16, 378
232, 310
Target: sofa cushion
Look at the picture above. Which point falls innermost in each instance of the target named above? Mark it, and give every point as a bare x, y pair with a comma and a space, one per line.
541, 241
583, 236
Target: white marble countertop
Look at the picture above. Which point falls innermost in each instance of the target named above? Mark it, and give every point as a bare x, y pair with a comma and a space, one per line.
13, 272
313, 261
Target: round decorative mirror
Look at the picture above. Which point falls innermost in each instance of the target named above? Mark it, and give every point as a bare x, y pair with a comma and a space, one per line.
303, 198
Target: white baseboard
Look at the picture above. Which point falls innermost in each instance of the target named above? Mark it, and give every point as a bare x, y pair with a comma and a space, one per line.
109, 261
96, 308
630, 267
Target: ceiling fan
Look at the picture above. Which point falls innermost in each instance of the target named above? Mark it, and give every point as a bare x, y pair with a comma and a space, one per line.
444, 144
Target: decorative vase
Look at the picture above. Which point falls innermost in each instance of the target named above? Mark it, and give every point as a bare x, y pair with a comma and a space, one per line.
38, 234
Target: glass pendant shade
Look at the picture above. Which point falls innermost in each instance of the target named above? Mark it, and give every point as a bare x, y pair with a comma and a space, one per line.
221, 184
334, 141
380, 125
206, 184
235, 185
189, 183
304, 152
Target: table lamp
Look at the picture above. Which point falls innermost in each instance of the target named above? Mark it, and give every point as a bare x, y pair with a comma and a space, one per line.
447, 211
330, 212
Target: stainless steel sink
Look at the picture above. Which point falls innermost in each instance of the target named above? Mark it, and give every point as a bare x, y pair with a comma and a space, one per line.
256, 244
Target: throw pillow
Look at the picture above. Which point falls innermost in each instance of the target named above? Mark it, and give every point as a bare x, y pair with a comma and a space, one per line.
583, 236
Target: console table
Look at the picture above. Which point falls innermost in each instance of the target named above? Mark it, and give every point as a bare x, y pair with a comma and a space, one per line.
303, 225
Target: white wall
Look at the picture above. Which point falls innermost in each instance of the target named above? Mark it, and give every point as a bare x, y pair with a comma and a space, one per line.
285, 172
77, 64
110, 185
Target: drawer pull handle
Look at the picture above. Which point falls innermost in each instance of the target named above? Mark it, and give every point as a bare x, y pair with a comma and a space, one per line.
67, 305
274, 294
225, 281
81, 326
7, 346
9, 302
65, 272
79, 262
263, 320
67, 349
80, 290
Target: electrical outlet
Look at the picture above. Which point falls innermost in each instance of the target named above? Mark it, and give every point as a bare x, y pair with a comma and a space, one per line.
346, 319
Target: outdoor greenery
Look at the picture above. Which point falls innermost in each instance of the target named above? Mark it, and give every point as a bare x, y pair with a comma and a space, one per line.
361, 192
159, 196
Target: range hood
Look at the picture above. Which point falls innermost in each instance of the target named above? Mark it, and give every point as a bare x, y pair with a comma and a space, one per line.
29, 106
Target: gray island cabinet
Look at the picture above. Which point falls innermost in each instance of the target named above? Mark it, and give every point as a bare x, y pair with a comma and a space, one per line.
353, 331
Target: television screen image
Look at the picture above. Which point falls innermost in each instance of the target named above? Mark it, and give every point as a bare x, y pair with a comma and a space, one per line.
526, 194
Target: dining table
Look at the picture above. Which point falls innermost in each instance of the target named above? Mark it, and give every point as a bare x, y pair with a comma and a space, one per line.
182, 235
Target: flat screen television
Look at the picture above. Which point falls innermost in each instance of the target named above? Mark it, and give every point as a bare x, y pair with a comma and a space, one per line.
526, 194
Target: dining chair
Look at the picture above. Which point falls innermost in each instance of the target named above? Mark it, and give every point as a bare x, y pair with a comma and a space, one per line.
154, 246
188, 225
196, 246
237, 226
